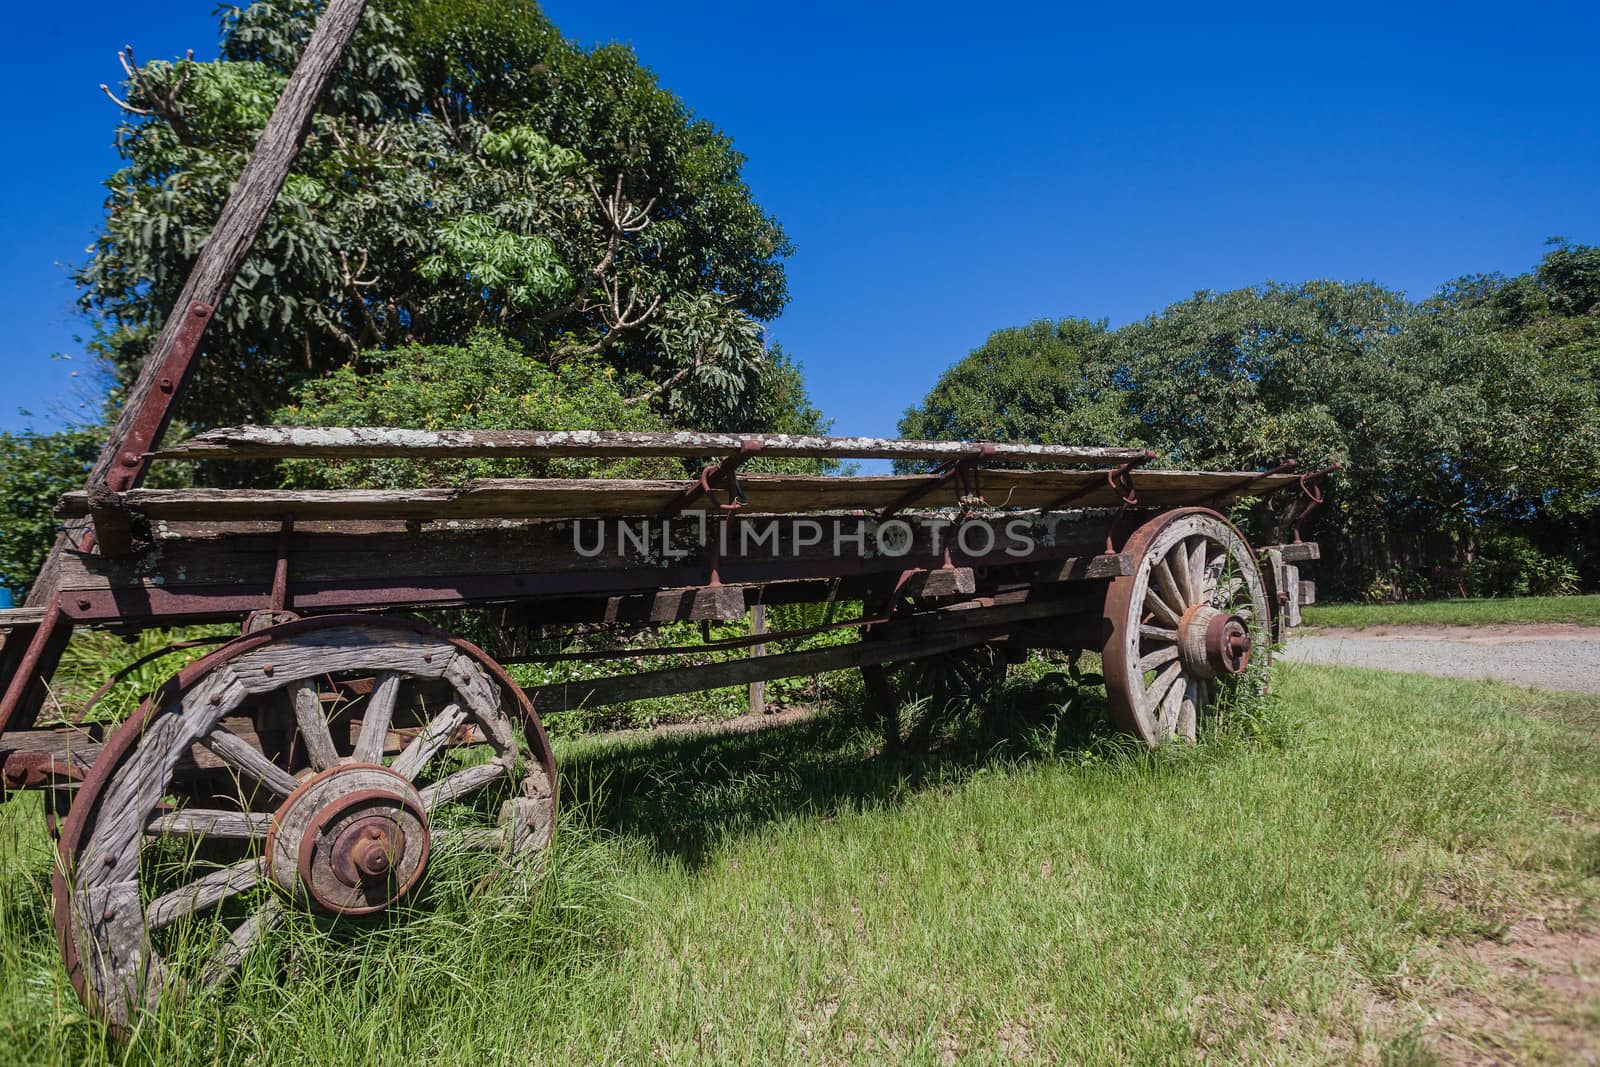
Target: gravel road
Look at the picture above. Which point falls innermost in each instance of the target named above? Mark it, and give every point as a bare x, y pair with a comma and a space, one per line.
1548, 657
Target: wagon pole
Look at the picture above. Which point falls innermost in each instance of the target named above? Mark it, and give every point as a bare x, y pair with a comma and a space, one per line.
149, 405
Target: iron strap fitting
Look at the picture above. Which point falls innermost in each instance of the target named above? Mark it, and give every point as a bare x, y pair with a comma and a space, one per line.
963, 471
1310, 497
723, 475
1125, 471
1226, 496
1121, 481
278, 609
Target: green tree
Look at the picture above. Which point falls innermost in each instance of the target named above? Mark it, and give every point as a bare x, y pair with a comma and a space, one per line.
1046, 382
1470, 419
35, 469
488, 383
469, 168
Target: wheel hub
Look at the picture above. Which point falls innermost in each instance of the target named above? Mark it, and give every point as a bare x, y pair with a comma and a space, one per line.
352, 840
1213, 643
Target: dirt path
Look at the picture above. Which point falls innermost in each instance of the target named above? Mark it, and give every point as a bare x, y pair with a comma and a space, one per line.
1547, 656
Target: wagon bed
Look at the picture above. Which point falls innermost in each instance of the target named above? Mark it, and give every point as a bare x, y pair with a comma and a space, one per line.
333, 729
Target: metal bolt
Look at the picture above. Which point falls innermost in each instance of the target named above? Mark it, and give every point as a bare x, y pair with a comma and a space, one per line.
109, 860
84, 603
216, 698
267, 669
427, 657
130, 459
166, 385
108, 914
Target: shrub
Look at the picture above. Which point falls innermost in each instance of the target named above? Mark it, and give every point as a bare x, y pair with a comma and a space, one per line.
1510, 565
489, 383
35, 469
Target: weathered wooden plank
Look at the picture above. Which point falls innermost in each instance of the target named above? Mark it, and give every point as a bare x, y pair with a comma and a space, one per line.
13, 617
941, 582
376, 442
1076, 568
672, 681
928, 635
769, 494
440, 565
1297, 552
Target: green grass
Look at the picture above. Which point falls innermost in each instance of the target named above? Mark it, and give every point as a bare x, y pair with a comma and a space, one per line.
1295, 888
1581, 610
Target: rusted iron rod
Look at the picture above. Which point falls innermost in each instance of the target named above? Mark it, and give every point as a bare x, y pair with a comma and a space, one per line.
721, 474
963, 469
1246, 484
1120, 474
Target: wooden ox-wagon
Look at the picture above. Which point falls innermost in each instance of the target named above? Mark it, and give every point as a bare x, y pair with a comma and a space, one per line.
330, 748
319, 758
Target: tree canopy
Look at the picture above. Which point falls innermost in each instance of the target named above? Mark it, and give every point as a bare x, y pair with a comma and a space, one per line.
469, 168
1460, 420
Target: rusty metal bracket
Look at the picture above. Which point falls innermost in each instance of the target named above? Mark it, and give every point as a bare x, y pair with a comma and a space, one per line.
963, 471
1121, 482
1310, 497
1227, 495
113, 522
50, 629
723, 475
145, 431
278, 609
1125, 470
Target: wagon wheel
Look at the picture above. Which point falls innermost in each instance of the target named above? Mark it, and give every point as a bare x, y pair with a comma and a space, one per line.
934, 686
249, 785
1184, 624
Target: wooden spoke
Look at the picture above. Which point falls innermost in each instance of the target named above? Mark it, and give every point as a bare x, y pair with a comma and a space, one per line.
1197, 570
1170, 593
210, 822
1170, 707
1179, 561
462, 783
1157, 633
230, 956
1159, 608
204, 893
1228, 588
427, 744
245, 758
1189, 711
379, 714
471, 840
1214, 565
1164, 654
313, 725
1169, 676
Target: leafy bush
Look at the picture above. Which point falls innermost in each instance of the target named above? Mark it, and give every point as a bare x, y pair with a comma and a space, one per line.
1510, 565
35, 469
489, 383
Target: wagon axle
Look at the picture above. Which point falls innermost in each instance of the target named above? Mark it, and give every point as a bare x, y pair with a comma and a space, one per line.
1213, 643
352, 840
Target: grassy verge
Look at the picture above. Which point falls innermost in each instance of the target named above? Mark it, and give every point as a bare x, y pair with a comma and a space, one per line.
1299, 887
1580, 610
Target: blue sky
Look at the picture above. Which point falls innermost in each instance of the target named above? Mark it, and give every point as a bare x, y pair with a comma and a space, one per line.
948, 170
